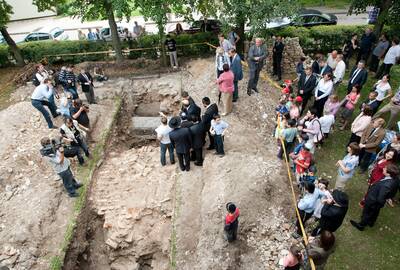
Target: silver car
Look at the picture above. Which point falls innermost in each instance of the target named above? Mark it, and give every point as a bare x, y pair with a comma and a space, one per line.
45, 33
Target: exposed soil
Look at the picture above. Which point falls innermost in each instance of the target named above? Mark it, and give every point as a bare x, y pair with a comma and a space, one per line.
141, 215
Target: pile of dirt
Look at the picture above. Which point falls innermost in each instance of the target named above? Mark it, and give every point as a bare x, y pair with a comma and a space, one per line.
35, 208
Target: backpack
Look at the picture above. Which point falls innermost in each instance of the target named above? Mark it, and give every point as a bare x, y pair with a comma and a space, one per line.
35, 81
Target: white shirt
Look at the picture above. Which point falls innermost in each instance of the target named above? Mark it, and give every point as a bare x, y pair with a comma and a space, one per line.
42, 76
392, 54
163, 134
325, 87
326, 122
382, 89
331, 62
339, 71
55, 161
42, 92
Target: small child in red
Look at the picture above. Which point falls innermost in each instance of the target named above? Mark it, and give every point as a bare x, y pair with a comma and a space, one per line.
231, 222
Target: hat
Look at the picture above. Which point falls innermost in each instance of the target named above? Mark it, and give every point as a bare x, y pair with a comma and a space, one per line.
299, 99
231, 207
175, 122
340, 198
286, 91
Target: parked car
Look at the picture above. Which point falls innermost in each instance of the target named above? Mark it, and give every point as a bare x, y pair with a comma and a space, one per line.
106, 33
46, 33
209, 25
306, 18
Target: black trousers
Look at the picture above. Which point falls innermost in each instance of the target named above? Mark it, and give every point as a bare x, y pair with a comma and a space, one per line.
255, 69
363, 55
354, 138
383, 70
373, 65
306, 98
319, 105
184, 161
197, 156
370, 214
364, 159
277, 65
304, 217
211, 138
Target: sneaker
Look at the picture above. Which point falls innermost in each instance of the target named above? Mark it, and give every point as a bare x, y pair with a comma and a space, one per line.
78, 185
53, 127
356, 225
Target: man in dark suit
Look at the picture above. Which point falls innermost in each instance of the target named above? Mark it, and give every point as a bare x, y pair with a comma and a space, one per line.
197, 132
377, 195
211, 110
358, 76
236, 68
185, 122
371, 102
306, 86
256, 56
86, 82
367, 41
182, 142
277, 53
190, 109
324, 68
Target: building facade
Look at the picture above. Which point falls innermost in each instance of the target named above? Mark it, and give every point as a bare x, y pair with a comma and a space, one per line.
24, 9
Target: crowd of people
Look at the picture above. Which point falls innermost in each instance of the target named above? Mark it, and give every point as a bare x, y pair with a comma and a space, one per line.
372, 147
72, 139
124, 34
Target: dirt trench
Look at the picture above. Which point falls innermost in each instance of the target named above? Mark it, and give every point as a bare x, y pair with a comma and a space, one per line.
141, 215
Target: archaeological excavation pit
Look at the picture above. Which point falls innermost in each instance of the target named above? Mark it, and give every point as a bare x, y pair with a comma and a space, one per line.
140, 215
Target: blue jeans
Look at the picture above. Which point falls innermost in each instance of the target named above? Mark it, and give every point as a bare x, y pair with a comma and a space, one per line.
39, 105
164, 148
68, 181
219, 144
73, 92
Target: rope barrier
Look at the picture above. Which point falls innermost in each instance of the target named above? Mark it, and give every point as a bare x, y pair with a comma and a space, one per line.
294, 199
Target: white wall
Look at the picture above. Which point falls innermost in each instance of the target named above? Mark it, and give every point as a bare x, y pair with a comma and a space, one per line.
24, 9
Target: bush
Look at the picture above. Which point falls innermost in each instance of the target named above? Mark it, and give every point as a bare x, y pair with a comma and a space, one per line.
53, 50
4, 54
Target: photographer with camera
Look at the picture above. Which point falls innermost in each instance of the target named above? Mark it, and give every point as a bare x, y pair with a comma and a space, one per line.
73, 133
79, 113
54, 152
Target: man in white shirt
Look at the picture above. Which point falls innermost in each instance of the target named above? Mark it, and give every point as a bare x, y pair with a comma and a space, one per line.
43, 96
339, 71
391, 57
331, 61
224, 43
41, 73
165, 142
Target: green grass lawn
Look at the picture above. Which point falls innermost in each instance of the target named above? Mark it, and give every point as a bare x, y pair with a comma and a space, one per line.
375, 248
338, 4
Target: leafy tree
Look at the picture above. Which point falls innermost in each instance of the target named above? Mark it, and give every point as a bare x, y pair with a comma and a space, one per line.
389, 11
5, 12
157, 11
89, 9
254, 13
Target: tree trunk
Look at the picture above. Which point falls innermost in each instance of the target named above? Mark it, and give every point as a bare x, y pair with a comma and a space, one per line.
383, 12
161, 37
242, 35
116, 42
13, 47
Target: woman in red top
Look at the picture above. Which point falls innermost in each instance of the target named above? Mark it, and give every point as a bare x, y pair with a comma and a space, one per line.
231, 222
226, 87
390, 156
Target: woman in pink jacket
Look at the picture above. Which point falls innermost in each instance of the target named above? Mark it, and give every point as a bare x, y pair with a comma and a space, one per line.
360, 124
225, 84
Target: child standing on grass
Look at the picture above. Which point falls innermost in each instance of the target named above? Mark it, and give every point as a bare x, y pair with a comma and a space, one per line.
288, 135
351, 100
218, 129
231, 222
347, 166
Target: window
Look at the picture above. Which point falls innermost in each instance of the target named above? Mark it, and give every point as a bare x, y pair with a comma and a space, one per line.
31, 37
58, 33
43, 36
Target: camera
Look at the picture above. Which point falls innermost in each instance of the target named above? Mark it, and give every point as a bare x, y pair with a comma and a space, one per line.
50, 147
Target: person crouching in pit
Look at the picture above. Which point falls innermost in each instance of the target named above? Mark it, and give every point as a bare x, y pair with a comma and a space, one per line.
231, 222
